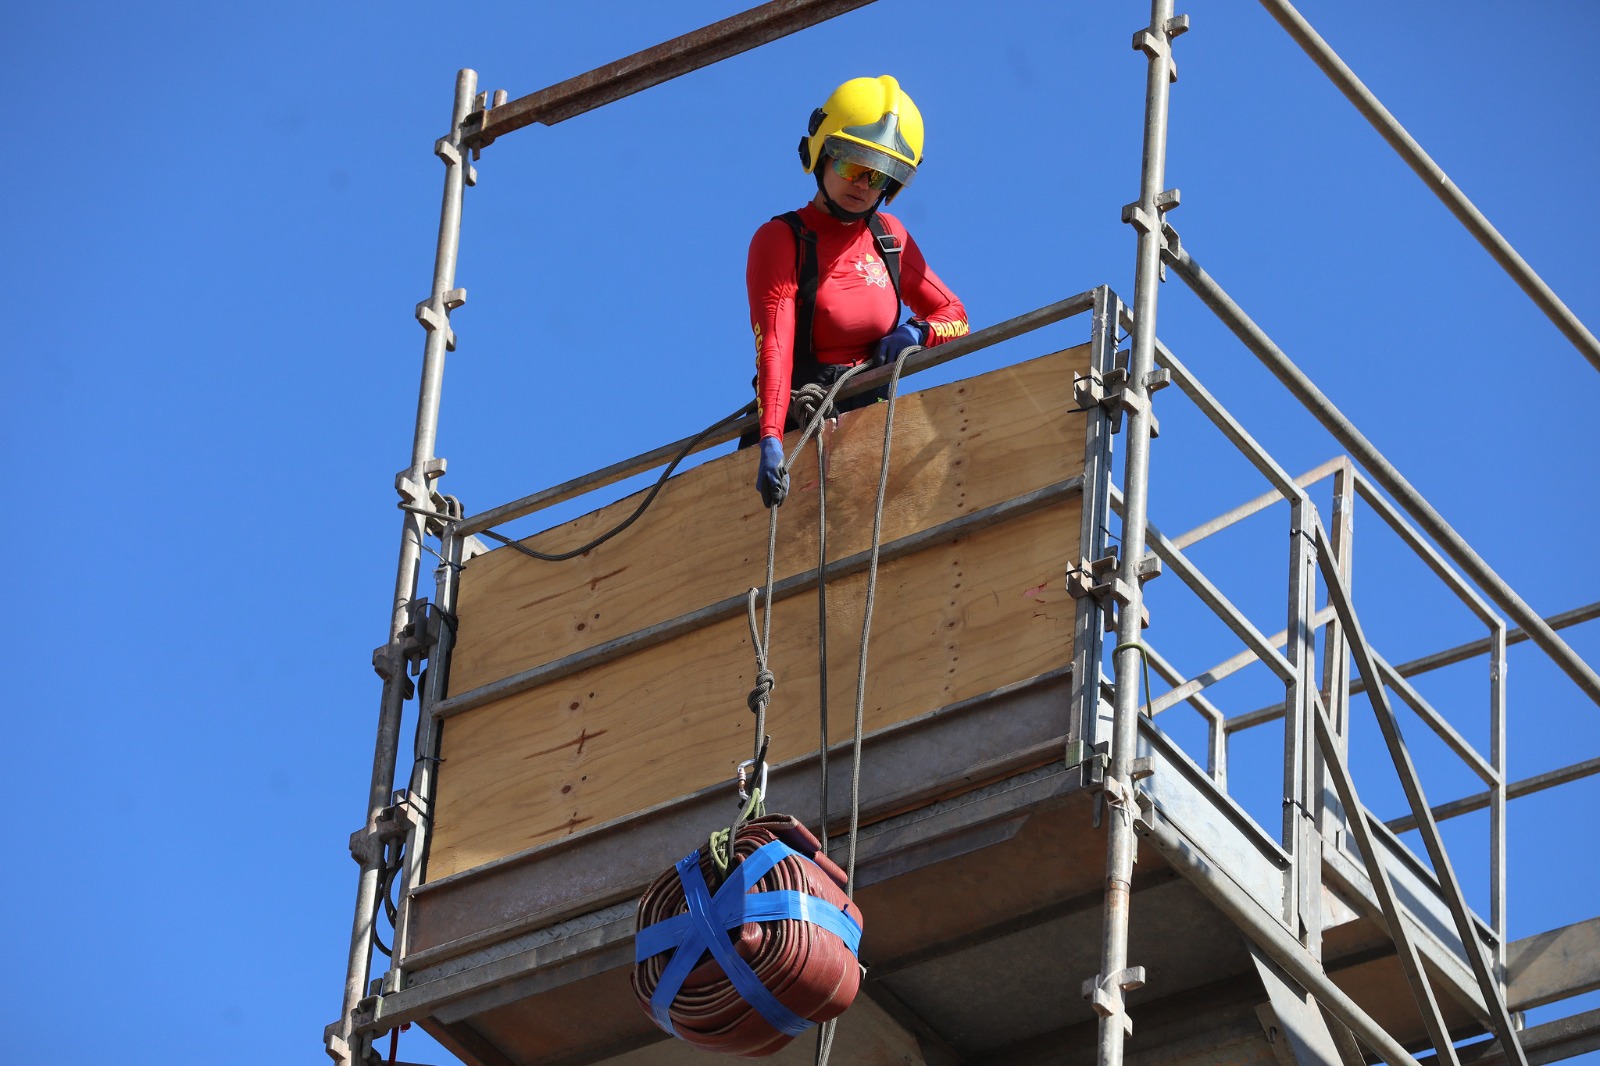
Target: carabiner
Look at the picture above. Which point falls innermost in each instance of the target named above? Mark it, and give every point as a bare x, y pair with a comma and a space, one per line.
761, 782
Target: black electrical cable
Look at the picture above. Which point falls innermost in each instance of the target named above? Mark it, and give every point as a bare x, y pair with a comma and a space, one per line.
643, 504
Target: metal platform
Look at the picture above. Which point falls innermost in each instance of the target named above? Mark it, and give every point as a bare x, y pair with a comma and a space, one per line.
981, 909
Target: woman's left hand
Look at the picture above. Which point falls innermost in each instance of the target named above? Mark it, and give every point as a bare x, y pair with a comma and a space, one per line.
907, 334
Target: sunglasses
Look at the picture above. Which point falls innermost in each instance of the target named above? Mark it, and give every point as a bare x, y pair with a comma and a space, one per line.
853, 171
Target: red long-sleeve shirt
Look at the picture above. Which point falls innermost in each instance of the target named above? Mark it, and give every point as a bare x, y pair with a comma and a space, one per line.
855, 304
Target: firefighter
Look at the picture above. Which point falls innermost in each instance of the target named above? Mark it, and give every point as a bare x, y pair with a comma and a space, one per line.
826, 282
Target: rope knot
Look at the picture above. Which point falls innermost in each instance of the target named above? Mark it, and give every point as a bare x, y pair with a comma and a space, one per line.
762, 693
806, 401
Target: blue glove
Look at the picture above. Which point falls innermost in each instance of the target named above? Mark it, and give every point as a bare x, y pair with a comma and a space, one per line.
772, 480
908, 334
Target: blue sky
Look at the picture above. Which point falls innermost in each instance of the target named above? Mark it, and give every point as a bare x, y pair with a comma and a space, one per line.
218, 221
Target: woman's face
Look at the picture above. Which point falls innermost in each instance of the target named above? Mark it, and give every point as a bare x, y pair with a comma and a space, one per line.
855, 195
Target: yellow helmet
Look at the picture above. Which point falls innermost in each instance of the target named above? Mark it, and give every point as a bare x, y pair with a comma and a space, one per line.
870, 121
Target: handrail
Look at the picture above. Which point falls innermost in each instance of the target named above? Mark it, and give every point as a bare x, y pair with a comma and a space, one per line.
920, 361
1516, 790
1383, 472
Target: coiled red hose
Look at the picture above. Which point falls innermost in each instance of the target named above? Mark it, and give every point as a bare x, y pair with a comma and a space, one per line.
808, 969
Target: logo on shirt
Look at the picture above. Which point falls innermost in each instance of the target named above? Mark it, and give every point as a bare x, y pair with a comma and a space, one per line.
872, 270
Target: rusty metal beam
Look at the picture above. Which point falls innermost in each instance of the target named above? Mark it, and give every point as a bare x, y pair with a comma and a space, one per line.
624, 77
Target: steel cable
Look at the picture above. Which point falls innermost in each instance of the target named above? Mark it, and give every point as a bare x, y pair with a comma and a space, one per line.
816, 975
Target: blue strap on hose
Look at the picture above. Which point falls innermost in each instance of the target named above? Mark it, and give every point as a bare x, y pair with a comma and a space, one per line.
704, 928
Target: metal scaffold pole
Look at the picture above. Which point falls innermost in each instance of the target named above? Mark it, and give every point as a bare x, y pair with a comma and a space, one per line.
1215, 297
1434, 177
415, 485
1107, 989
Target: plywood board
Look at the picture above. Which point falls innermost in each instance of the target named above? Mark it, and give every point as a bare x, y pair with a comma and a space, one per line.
957, 448
950, 622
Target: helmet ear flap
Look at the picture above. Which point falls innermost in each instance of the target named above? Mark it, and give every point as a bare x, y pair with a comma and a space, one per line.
806, 162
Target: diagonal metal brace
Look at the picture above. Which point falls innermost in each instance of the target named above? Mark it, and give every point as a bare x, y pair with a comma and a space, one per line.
1106, 994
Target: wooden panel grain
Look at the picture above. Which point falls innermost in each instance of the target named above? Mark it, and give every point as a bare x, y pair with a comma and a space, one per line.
950, 622
957, 448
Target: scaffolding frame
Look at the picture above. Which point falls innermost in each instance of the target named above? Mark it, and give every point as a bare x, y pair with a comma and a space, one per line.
1315, 718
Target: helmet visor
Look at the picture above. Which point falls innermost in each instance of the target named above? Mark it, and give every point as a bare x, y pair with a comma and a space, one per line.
868, 156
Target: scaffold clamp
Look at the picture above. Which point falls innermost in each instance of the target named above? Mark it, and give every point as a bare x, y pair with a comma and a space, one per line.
338, 1045
1100, 579
365, 1011
401, 659
434, 314
1159, 45
1110, 391
1094, 760
389, 663
1106, 994
452, 158
1172, 244
435, 507
387, 825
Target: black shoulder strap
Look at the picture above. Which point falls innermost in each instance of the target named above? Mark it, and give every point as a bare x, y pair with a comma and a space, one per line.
805, 352
890, 249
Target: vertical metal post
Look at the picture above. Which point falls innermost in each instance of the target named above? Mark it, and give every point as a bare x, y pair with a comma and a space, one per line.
1302, 899
1497, 799
446, 588
1217, 753
1115, 976
416, 484
1335, 654
1088, 637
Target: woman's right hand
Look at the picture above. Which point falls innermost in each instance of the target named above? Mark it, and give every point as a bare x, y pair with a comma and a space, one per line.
772, 480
